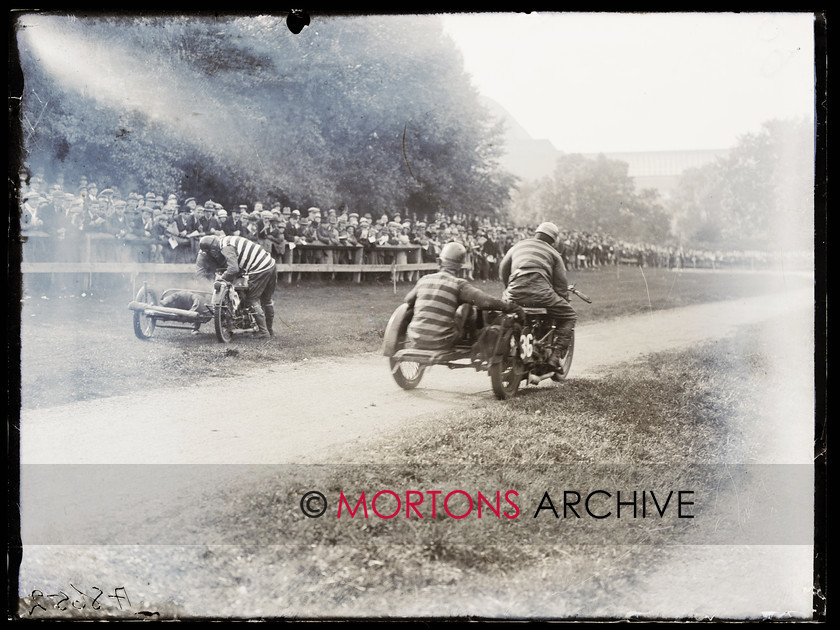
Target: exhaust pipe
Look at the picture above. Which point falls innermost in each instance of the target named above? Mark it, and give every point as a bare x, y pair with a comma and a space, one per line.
536, 379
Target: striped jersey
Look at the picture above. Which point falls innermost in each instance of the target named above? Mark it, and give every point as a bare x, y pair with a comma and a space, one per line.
432, 326
250, 257
435, 298
532, 255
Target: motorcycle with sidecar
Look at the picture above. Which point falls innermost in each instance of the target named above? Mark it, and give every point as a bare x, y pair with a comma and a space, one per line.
227, 308
511, 350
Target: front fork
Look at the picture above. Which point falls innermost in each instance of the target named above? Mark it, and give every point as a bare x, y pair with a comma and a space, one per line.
243, 315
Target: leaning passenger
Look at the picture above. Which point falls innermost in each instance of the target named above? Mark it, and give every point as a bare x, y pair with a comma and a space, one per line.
438, 321
186, 301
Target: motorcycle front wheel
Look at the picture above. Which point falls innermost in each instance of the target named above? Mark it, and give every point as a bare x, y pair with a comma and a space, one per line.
506, 374
223, 318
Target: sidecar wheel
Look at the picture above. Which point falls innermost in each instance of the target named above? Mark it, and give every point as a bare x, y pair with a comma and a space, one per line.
506, 374
144, 327
407, 374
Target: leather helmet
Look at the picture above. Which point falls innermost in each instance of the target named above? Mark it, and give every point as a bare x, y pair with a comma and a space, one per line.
453, 253
208, 243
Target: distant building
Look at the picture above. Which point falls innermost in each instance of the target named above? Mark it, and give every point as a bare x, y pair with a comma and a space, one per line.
529, 158
662, 169
525, 157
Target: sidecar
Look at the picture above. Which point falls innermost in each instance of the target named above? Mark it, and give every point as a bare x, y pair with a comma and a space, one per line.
489, 344
149, 314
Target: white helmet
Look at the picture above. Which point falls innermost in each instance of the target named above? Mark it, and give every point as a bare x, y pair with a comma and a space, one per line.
453, 253
549, 229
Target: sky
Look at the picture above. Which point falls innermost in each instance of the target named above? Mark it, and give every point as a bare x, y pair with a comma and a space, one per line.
601, 82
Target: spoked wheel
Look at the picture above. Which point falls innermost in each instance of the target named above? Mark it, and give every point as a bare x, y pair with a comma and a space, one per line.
407, 374
144, 326
566, 361
223, 318
506, 374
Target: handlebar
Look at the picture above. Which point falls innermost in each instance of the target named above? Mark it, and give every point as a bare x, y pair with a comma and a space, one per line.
572, 289
582, 296
220, 278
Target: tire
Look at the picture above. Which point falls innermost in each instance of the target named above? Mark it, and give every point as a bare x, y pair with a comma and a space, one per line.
407, 374
144, 327
394, 337
223, 318
506, 374
566, 363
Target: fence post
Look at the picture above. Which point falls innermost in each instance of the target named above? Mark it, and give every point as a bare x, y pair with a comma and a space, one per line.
358, 259
288, 257
416, 257
401, 258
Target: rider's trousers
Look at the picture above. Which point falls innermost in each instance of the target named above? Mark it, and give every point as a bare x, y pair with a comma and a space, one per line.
532, 290
260, 296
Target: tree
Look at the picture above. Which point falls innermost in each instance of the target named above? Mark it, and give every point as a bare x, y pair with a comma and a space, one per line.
593, 195
374, 112
759, 196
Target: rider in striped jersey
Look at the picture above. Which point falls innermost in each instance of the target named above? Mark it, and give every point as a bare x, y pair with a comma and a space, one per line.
535, 276
241, 256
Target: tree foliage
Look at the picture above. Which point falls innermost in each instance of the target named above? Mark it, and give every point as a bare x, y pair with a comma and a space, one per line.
760, 196
593, 195
374, 112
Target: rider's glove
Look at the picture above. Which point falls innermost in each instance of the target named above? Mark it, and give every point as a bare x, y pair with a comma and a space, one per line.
517, 310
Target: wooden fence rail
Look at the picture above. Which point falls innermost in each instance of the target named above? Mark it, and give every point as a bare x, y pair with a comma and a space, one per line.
96, 253
182, 269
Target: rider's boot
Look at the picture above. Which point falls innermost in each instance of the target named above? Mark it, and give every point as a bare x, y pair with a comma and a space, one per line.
536, 379
562, 339
262, 332
269, 319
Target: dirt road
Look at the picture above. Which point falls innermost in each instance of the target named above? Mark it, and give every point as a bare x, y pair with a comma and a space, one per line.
315, 408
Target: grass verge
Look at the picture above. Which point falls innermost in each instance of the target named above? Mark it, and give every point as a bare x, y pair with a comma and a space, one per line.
668, 413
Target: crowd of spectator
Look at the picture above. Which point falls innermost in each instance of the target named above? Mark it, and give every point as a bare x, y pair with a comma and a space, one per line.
61, 224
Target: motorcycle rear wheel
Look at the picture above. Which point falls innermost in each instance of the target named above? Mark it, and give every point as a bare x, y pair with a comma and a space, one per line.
506, 374
566, 362
407, 374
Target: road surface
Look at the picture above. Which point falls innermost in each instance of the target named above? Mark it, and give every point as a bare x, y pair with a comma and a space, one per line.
289, 408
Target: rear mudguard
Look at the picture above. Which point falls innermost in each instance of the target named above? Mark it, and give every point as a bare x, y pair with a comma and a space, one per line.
496, 343
395, 330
